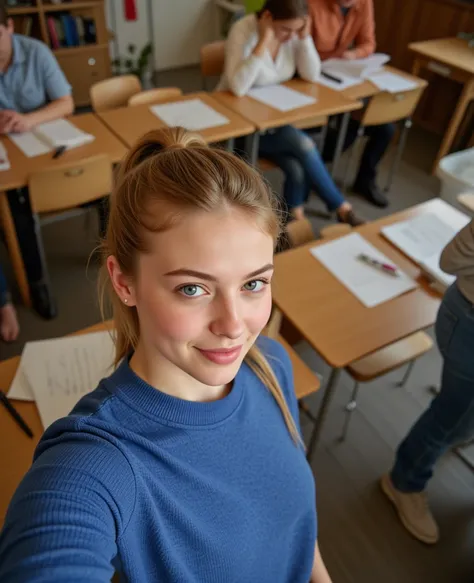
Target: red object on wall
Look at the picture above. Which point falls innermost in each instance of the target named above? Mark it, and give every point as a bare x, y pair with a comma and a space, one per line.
130, 7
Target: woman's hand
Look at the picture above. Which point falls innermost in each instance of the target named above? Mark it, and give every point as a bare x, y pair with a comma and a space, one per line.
265, 29
349, 55
306, 30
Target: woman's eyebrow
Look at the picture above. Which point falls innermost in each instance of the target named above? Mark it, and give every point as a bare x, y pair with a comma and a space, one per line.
206, 276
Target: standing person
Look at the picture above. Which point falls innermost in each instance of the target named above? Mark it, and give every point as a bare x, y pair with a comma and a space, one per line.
186, 464
33, 90
267, 48
345, 29
450, 417
9, 328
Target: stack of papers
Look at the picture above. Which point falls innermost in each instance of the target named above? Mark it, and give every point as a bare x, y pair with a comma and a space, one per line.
57, 373
4, 161
49, 136
392, 83
193, 115
281, 98
369, 285
441, 279
350, 73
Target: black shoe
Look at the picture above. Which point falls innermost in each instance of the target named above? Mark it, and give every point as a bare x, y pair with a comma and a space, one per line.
350, 218
371, 192
43, 302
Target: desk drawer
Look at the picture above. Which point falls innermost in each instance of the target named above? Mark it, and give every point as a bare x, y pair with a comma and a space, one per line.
84, 67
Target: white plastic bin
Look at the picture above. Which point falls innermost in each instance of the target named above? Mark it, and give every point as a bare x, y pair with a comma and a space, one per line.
456, 173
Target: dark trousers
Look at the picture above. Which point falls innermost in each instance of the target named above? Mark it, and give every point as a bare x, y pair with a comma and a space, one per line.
29, 235
379, 140
4, 294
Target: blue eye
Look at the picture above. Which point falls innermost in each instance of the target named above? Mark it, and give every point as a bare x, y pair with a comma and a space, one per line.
192, 291
255, 285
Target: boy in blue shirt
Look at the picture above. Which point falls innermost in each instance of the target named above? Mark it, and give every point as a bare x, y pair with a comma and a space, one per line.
33, 90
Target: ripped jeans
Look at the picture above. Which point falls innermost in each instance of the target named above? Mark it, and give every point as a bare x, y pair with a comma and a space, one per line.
296, 154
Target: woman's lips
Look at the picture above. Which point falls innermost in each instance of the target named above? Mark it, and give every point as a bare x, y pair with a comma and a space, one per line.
222, 355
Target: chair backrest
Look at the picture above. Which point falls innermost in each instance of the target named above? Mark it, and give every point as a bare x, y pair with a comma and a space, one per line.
70, 185
391, 107
114, 92
299, 232
213, 59
333, 231
155, 95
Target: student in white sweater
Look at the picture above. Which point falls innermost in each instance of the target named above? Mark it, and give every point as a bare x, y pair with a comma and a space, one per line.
267, 48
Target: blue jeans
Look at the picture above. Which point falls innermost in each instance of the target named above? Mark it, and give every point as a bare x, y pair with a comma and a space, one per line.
296, 154
4, 293
450, 418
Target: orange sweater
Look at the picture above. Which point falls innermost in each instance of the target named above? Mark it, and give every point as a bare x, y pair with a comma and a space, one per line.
333, 34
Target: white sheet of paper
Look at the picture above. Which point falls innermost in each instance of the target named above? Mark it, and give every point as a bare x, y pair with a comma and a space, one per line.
424, 236
371, 286
193, 115
281, 97
62, 370
29, 144
392, 83
430, 265
346, 82
4, 161
61, 132
20, 388
357, 68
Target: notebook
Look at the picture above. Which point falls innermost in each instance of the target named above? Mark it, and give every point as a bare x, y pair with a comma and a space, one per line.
49, 136
356, 68
392, 83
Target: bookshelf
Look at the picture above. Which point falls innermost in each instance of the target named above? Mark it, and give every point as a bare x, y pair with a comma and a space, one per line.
76, 32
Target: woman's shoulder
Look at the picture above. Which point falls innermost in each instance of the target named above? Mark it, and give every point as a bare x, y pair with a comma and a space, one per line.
247, 26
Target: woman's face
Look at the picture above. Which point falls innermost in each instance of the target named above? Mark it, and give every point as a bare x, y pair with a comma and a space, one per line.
203, 294
285, 29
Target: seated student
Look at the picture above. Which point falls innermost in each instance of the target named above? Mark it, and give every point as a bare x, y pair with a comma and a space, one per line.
267, 48
9, 328
186, 463
346, 29
450, 418
33, 90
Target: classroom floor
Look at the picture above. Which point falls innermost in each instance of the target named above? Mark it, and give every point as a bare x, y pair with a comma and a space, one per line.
360, 536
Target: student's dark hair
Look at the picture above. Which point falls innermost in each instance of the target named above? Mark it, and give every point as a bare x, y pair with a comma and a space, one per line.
3, 13
285, 9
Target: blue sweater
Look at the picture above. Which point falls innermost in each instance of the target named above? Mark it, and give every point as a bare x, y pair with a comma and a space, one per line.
166, 490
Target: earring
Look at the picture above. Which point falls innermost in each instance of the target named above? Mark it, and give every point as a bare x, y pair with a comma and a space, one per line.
125, 301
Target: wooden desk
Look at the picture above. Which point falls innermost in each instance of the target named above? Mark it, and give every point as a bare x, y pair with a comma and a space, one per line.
130, 123
333, 321
368, 89
22, 166
451, 58
16, 449
264, 117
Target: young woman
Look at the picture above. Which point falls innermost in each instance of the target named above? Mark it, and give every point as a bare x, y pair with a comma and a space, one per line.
268, 48
186, 464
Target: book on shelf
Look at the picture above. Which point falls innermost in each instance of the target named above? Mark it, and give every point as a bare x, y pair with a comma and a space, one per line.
66, 30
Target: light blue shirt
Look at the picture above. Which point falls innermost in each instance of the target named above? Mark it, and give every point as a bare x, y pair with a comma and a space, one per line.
34, 77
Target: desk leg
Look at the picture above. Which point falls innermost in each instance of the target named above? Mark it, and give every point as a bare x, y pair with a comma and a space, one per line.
14, 250
466, 96
341, 138
251, 148
323, 411
230, 145
416, 67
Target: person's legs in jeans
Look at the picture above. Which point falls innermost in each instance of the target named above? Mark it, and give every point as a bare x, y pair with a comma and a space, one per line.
450, 418
9, 327
31, 246
290, 142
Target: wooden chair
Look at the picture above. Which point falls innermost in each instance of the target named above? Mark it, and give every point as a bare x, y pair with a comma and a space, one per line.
53, 191
212, 59
299, 232
155, 95
388, 108
334, 231
114, 92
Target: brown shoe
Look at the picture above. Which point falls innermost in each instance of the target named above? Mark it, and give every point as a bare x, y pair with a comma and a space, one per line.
350, 218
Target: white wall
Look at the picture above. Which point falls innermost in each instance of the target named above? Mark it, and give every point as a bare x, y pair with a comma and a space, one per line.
180, 27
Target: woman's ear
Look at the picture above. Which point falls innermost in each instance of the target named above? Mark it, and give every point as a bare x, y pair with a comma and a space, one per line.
122, 283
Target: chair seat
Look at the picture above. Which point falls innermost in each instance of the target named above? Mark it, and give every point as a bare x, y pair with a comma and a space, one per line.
306, 382
265, 165
391, 357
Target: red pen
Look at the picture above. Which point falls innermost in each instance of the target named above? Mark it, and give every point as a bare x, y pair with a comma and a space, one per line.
385, 267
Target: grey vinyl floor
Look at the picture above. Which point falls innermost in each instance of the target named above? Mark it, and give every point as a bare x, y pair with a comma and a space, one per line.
360, 536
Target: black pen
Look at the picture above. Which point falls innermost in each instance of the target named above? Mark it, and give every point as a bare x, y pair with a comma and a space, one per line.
14, 413
59, 152
331, 77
